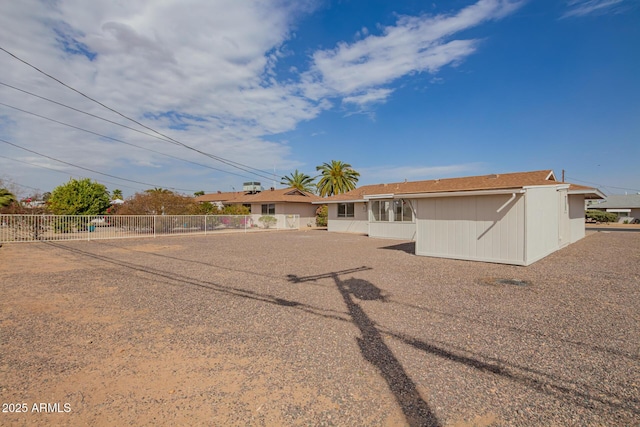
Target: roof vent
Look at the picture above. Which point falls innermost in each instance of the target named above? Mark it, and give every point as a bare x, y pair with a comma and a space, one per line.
494, 176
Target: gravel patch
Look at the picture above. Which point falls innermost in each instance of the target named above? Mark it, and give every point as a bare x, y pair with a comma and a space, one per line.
316, 328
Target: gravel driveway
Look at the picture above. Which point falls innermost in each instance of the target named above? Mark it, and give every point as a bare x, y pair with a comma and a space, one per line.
316, 328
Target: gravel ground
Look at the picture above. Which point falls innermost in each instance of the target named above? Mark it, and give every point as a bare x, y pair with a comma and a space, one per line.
316, 328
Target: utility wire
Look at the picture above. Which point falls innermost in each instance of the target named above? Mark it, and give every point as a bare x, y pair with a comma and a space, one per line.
67, 173
603, 185
112, 122
87, 169
83, 112
119, 140
170, 139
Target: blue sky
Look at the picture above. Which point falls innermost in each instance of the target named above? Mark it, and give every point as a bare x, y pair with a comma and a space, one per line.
400, 90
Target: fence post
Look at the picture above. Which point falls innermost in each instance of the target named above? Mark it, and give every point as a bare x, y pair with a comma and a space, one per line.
205, 225
154, 226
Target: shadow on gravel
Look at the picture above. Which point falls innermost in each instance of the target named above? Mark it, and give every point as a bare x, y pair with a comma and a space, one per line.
375, 351
409, 247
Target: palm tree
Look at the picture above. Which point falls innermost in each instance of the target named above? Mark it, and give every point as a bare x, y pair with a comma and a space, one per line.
6, 198
158, 190
116, 194
337, 178
299, 180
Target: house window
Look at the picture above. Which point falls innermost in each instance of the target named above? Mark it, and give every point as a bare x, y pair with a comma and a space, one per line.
380, 210
346, 210
269, 209
402, 211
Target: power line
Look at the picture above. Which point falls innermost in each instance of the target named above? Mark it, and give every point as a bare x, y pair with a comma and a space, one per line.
87, 169
67, 173
168, 138
118, 140
602, 185
109, 121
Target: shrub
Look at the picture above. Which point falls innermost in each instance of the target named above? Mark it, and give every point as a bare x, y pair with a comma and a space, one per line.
268, 221
601, 216
321, 216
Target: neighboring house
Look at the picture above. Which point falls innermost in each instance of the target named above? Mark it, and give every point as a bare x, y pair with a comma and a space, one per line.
218, 199
287, 201
627, 207
514, 218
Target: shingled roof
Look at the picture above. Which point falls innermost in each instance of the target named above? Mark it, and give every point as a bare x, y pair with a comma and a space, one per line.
288, 195
630, 201
504, 181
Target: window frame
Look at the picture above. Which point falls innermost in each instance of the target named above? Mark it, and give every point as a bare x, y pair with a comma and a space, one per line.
405, 207
268, 209
380, 210
349, 210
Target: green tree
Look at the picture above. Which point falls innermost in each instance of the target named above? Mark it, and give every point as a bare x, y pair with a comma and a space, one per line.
236, 210
116, 194
79, 197
6, 198
299, 180
336, 178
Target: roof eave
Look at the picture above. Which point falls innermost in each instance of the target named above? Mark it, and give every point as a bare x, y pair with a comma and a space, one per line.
459, 193
593, 193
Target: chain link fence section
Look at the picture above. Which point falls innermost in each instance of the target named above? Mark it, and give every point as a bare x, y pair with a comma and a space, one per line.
31, 228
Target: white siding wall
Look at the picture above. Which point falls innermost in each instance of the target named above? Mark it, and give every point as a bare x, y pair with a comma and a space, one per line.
542, 214
358, 224
576, 216
393, 230
471, 228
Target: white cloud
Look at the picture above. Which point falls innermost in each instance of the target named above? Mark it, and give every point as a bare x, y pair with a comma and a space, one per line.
203, 72
588, 7
414, 44
368, 97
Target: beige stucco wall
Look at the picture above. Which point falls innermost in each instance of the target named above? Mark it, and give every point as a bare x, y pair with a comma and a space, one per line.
306, 211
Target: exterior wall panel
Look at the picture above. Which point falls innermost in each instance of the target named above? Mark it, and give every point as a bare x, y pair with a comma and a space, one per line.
576, 217
306, 211
542, 215
359, 224
471, 228
393, 230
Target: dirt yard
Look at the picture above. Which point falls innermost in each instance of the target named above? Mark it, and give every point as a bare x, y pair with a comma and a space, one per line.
314, 328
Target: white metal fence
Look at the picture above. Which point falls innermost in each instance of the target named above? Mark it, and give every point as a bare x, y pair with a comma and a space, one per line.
29, 228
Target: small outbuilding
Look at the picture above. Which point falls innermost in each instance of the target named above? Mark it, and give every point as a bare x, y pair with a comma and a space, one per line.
513, 218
